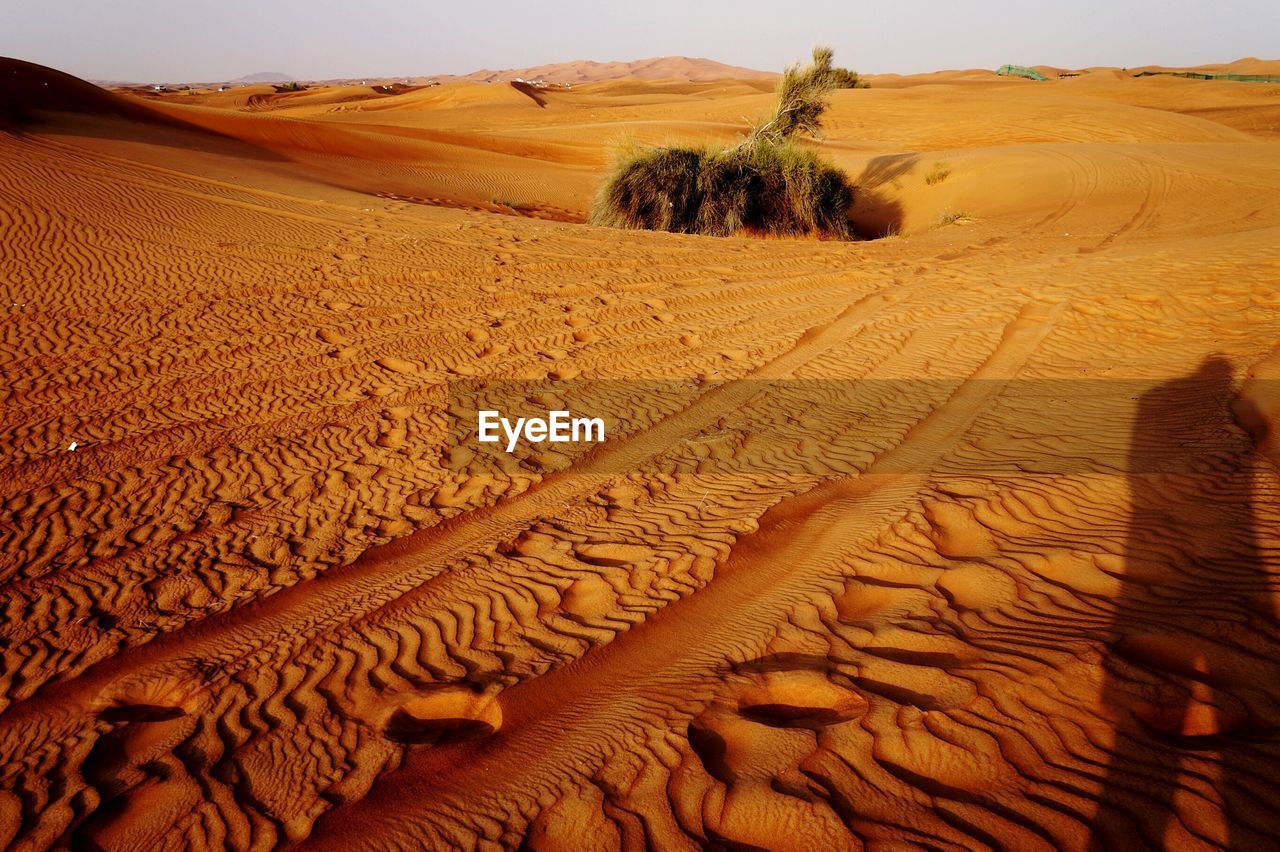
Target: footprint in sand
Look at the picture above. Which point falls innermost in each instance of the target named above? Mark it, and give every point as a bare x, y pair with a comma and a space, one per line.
333, 336
393, 438
132, 769
154, 699
589, 599
798, 698
445, 715
397, 365
758, 731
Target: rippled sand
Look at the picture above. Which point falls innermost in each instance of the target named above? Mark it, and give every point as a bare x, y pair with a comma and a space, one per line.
963, 538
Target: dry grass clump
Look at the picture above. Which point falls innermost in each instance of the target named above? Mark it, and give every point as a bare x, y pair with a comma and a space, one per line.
846, 79
938, 174
955, 217
768, 184
764, 188
802, 98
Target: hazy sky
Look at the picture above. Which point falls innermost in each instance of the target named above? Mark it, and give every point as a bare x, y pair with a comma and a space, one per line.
180, 40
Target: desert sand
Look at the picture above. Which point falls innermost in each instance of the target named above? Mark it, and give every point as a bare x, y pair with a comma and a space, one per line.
963, 536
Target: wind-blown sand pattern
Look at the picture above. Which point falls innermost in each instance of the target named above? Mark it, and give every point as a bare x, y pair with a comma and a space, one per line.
267, 600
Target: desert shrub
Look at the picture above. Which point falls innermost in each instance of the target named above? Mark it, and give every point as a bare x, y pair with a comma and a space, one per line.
768, 184
655, 189
777, 189
846, 79
937, 174
802, 99
796, 191
954, 217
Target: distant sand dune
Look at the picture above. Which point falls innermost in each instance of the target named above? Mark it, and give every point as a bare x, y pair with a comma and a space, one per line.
660, 68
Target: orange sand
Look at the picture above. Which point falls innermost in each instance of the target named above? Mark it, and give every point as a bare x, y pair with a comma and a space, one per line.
265, 601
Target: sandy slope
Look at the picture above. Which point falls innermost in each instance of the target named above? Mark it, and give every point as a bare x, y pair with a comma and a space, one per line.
888, 560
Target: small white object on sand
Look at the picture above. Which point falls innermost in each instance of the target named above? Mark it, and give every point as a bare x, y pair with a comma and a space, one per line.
73, 446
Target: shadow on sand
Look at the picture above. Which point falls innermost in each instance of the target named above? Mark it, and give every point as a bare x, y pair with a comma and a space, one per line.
1191, 659
874, 214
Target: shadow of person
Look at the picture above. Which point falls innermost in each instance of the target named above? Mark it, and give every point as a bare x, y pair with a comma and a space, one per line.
1191, 660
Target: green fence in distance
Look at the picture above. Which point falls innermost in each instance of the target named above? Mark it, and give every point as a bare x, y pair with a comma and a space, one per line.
1020, 71
1198, 75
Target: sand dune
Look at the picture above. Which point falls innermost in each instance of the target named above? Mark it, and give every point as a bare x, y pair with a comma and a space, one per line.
964, 538
1247, 65
658, 68
27, 89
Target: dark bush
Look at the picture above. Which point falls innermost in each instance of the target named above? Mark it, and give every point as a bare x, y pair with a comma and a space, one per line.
766, 188
766, 185
846, 79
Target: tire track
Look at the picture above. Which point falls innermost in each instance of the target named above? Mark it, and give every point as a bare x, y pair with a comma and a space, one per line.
797, 551
383, 574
